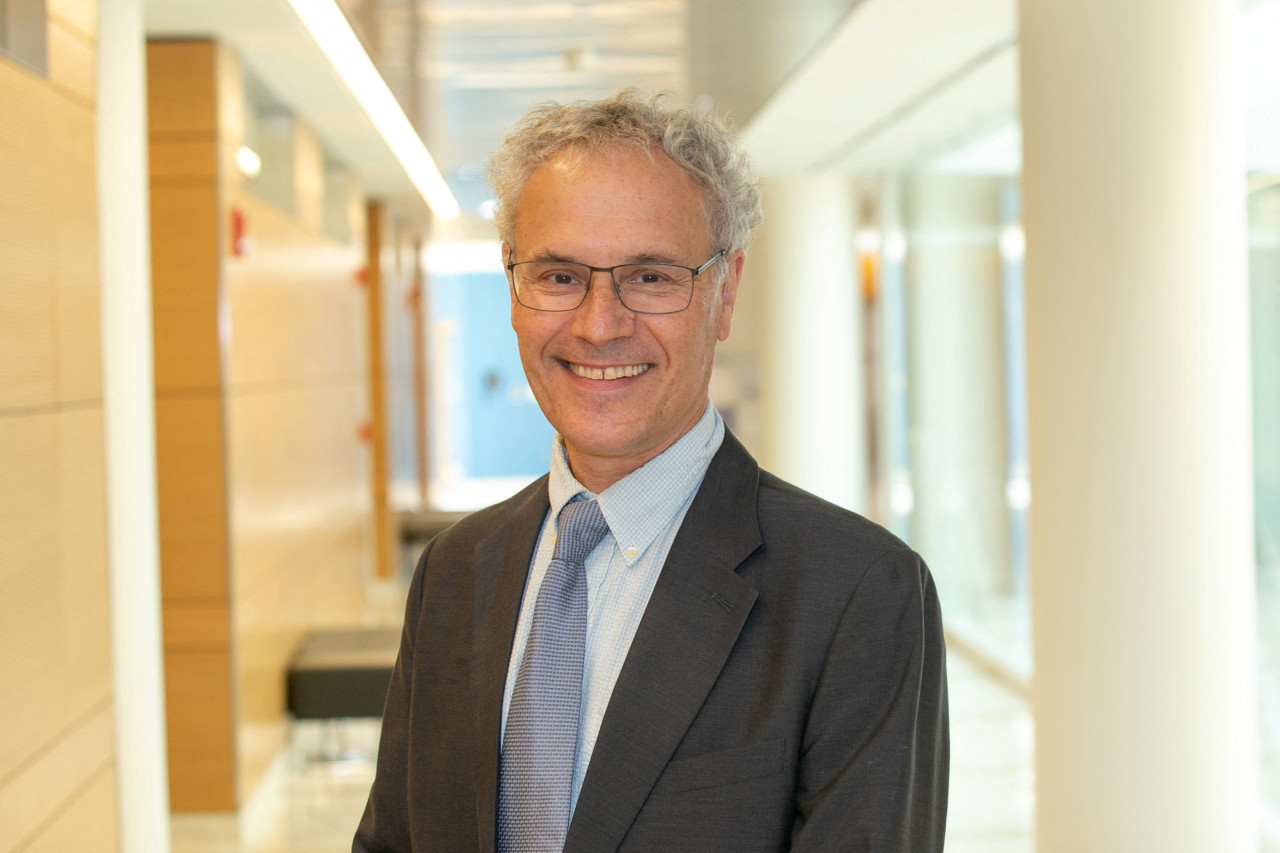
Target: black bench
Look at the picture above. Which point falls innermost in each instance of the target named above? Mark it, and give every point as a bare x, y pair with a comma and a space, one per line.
342, 673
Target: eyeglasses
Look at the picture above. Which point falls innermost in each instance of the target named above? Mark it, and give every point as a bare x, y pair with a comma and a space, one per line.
642, 288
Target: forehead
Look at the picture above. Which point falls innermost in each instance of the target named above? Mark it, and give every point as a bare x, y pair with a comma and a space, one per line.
618, 194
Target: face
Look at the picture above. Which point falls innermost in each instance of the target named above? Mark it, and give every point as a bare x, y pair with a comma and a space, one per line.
620, 387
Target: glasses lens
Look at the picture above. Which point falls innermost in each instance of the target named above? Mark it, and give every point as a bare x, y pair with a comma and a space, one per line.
654, 288
548, 286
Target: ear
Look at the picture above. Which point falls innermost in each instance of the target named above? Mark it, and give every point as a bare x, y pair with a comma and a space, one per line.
729, 291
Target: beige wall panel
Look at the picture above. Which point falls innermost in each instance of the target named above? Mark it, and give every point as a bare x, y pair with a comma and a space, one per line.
301, 542
230, 107
181, 98
28, 223
29, 587
308, 178
183, 160
80, 15
78, 326
295, 304
71, 60
300, 506
56, 739
185, 286
193, 626
89, 823
84, 578
33, 798
201, 731
54, 634
191, 491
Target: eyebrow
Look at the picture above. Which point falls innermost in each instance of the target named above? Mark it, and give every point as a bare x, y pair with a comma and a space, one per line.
639, 258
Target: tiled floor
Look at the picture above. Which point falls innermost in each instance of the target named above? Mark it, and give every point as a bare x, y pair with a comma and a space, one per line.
307, 806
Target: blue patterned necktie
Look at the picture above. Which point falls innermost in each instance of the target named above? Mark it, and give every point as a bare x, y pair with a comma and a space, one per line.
536, 767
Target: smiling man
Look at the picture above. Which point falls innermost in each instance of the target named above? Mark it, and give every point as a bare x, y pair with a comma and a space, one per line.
657, 646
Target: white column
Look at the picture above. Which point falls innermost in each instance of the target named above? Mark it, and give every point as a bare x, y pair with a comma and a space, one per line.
1137, 334
142, 785
812, 364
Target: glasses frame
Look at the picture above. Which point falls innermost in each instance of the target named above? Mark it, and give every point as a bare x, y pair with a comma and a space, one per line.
617, 288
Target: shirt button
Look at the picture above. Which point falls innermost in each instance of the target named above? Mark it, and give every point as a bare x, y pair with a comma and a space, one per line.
631, 553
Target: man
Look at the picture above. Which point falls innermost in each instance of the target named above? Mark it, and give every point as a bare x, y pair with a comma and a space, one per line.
732, 664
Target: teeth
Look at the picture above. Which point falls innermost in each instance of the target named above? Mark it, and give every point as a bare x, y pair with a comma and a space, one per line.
609, 372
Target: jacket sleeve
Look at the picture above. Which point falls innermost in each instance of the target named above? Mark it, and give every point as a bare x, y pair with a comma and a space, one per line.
875, 754
384, 828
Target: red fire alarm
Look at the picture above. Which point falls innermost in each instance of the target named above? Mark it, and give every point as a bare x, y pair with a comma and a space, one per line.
239, 237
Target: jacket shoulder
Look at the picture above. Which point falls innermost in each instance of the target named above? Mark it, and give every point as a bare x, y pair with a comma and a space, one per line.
786, 510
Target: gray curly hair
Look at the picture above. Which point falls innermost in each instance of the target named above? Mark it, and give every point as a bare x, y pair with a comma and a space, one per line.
700, 143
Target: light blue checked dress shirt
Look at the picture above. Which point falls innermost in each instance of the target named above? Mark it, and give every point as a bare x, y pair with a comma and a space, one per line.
644, 511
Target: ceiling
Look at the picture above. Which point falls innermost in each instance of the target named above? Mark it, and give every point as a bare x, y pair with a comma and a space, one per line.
814, 85
465, 70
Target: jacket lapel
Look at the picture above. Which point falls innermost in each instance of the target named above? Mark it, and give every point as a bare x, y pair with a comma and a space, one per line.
690, 626
500, 569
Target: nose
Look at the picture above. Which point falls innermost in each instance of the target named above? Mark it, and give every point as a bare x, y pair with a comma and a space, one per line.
602, 317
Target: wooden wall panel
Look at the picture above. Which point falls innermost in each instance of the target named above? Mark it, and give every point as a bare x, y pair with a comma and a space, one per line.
191, 492
192, 625
185, 285
201, 738
190, 436
185, 160
182, 89
57, 759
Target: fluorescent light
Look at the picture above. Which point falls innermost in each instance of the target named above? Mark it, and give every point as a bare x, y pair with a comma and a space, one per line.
329, 27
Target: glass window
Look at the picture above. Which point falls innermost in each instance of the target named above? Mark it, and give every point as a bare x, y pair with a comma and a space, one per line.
22, 32
488, 435
269, 134
1261, 83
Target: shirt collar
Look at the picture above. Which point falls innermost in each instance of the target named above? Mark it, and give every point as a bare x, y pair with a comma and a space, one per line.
642, 504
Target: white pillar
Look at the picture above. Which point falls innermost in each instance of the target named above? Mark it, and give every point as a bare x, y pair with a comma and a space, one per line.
142, 786
957, 400
812, 365
1137, 321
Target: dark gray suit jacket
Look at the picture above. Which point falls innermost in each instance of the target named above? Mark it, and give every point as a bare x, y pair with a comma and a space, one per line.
786, 689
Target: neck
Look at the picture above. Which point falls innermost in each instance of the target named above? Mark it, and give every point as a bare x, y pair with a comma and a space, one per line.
599, 473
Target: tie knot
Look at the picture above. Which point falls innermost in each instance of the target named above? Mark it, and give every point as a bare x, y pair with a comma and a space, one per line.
579, 530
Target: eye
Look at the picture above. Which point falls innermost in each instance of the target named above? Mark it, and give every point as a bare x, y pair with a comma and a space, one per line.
650, 276
554, 276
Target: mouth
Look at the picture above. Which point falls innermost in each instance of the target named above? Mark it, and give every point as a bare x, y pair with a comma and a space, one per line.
612, 372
